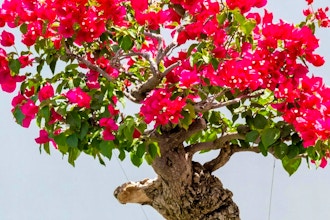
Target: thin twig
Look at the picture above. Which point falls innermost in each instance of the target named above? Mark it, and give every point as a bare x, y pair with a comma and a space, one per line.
90, 65
219, 143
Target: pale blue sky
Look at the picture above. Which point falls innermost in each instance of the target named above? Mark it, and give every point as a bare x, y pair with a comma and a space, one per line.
42, 187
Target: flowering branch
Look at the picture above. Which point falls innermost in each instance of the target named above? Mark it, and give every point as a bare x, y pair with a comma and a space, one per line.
208, 104
90, 65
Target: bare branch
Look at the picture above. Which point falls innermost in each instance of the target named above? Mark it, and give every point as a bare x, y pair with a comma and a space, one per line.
153, 65
134, 192
170, 68
90, 65
130, 97
209, 104
140, 92
214, 145
220, 160
162, 53
158, 37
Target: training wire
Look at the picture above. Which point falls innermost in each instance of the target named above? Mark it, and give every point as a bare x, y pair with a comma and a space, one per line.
271, 192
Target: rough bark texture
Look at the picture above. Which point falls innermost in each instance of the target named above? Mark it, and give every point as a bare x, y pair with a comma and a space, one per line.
204, 199
184, 189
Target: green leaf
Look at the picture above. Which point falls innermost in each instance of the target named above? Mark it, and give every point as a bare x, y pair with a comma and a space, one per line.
252, 136
141, 149
45, 113
269, 136
73, 155
263, 149
291, 165
106, 148
221, 18
23, 28
281, 150
148, 158
19, 116
136, 160
293, 151
74, 120
191, 48
248, 26
153, 150
83, 130
14, 65
126, 43
72, 140
52, 65
260, 121
122, 154
46, 147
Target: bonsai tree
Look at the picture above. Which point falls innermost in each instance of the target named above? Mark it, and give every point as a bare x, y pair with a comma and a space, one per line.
204, 75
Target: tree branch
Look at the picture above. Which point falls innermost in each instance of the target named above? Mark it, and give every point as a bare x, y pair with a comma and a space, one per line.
214, 145
90, 65
209, 104
134, 192
220, 160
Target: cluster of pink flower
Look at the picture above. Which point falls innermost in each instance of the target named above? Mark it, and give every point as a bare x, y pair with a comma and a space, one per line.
109, 124
153, 19
79, 97
160, 108
7, 81
61, 19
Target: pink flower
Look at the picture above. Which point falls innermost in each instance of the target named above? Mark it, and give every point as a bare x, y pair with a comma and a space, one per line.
109, 123
158, 107
44, 138
79, 97
107, 135
7, 39
189, 78
25, 60
29, 110
46, 92
92, 80
139, 5
109, 126
136, 133
54, 117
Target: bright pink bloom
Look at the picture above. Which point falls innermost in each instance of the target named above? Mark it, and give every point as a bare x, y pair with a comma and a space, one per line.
79, 97
29, 110
113, 111
7, 39
46, 92
139, 5
107, 135
54, 117
25, 60
92, 80
18, 99
44, 138
109, 125
158, 107
136, 133
189, 78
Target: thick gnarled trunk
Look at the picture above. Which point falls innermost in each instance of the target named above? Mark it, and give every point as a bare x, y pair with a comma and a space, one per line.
184, 189
204, 199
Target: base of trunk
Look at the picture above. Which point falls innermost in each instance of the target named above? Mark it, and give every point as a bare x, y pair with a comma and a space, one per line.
203, 199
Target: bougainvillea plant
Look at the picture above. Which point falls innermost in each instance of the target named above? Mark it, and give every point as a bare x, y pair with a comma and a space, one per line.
204, 75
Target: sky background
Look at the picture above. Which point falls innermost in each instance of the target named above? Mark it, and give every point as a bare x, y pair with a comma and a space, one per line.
36, 186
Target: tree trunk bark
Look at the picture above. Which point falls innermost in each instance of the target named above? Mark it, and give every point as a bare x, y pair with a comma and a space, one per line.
183, 190
204, 199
